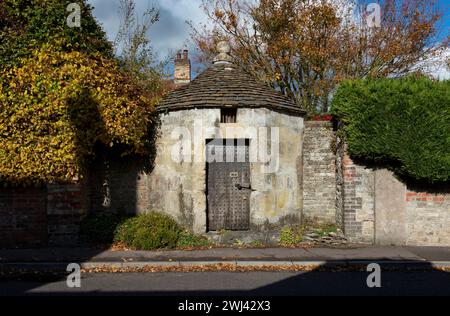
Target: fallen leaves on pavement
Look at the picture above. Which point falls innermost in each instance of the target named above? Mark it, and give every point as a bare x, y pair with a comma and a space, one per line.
45, 275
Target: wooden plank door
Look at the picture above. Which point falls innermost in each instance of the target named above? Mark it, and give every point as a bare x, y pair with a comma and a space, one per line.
228, 184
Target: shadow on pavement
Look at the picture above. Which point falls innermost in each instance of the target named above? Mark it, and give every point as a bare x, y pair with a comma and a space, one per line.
413, 278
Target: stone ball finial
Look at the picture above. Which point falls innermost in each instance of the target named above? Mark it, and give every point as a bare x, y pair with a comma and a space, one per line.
224, 49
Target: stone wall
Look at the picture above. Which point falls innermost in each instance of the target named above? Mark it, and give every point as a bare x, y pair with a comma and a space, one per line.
390, 207
372, 206
428, 218
119, 184
410, 216
380, 209
319, 172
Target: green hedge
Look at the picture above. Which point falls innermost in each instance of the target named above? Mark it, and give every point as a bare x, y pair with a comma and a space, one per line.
403, 124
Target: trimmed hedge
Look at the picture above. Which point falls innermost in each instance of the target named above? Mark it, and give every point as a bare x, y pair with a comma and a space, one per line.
404, 124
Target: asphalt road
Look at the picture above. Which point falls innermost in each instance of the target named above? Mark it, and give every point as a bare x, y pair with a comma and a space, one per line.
238, 284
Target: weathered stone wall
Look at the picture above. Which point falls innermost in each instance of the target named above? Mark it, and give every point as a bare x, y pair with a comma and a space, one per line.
407, 216
340, 154
319, 172
380, 209
428, 218
390, 207
119, 184
178, 186
372, 206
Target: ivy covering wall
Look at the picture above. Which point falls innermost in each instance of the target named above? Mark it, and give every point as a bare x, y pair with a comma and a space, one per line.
402, 124
57, 106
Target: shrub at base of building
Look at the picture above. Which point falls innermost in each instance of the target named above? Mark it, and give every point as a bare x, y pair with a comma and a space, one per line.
143, 232
148, 232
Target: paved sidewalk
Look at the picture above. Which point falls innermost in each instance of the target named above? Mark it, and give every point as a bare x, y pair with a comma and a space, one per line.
267, 256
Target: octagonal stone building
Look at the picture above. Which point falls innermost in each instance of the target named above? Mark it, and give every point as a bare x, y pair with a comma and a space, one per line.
229, 152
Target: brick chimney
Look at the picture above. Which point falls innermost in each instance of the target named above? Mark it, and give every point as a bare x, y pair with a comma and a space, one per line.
182, 73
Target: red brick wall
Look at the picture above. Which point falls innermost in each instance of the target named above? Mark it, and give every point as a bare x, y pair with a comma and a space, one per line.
358, 190
23, 217
37, 217
66, 205
424, 197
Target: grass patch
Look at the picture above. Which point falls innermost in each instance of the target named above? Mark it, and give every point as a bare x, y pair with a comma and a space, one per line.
324, 229
187, 239
291, 236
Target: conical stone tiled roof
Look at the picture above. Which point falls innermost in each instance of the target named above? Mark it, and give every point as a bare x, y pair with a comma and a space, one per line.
225, 85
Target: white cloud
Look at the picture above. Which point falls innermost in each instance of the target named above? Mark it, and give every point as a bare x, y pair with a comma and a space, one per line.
436, 66
169, 34
184, 9
441, 71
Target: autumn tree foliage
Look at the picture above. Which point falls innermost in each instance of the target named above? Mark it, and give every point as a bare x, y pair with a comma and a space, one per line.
62, 95
304, 48
133, 46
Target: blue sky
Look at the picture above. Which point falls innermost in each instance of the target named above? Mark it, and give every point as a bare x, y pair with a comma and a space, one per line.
172, 32
442, 5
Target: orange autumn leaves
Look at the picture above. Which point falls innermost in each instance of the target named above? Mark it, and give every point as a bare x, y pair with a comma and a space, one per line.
57, 105
305, 48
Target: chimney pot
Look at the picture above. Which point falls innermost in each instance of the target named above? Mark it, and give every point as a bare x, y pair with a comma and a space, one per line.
182, 73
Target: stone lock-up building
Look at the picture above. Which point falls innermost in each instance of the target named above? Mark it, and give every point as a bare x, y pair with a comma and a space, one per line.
229, 152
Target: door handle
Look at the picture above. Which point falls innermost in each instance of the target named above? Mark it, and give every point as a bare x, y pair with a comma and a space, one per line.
240, 187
